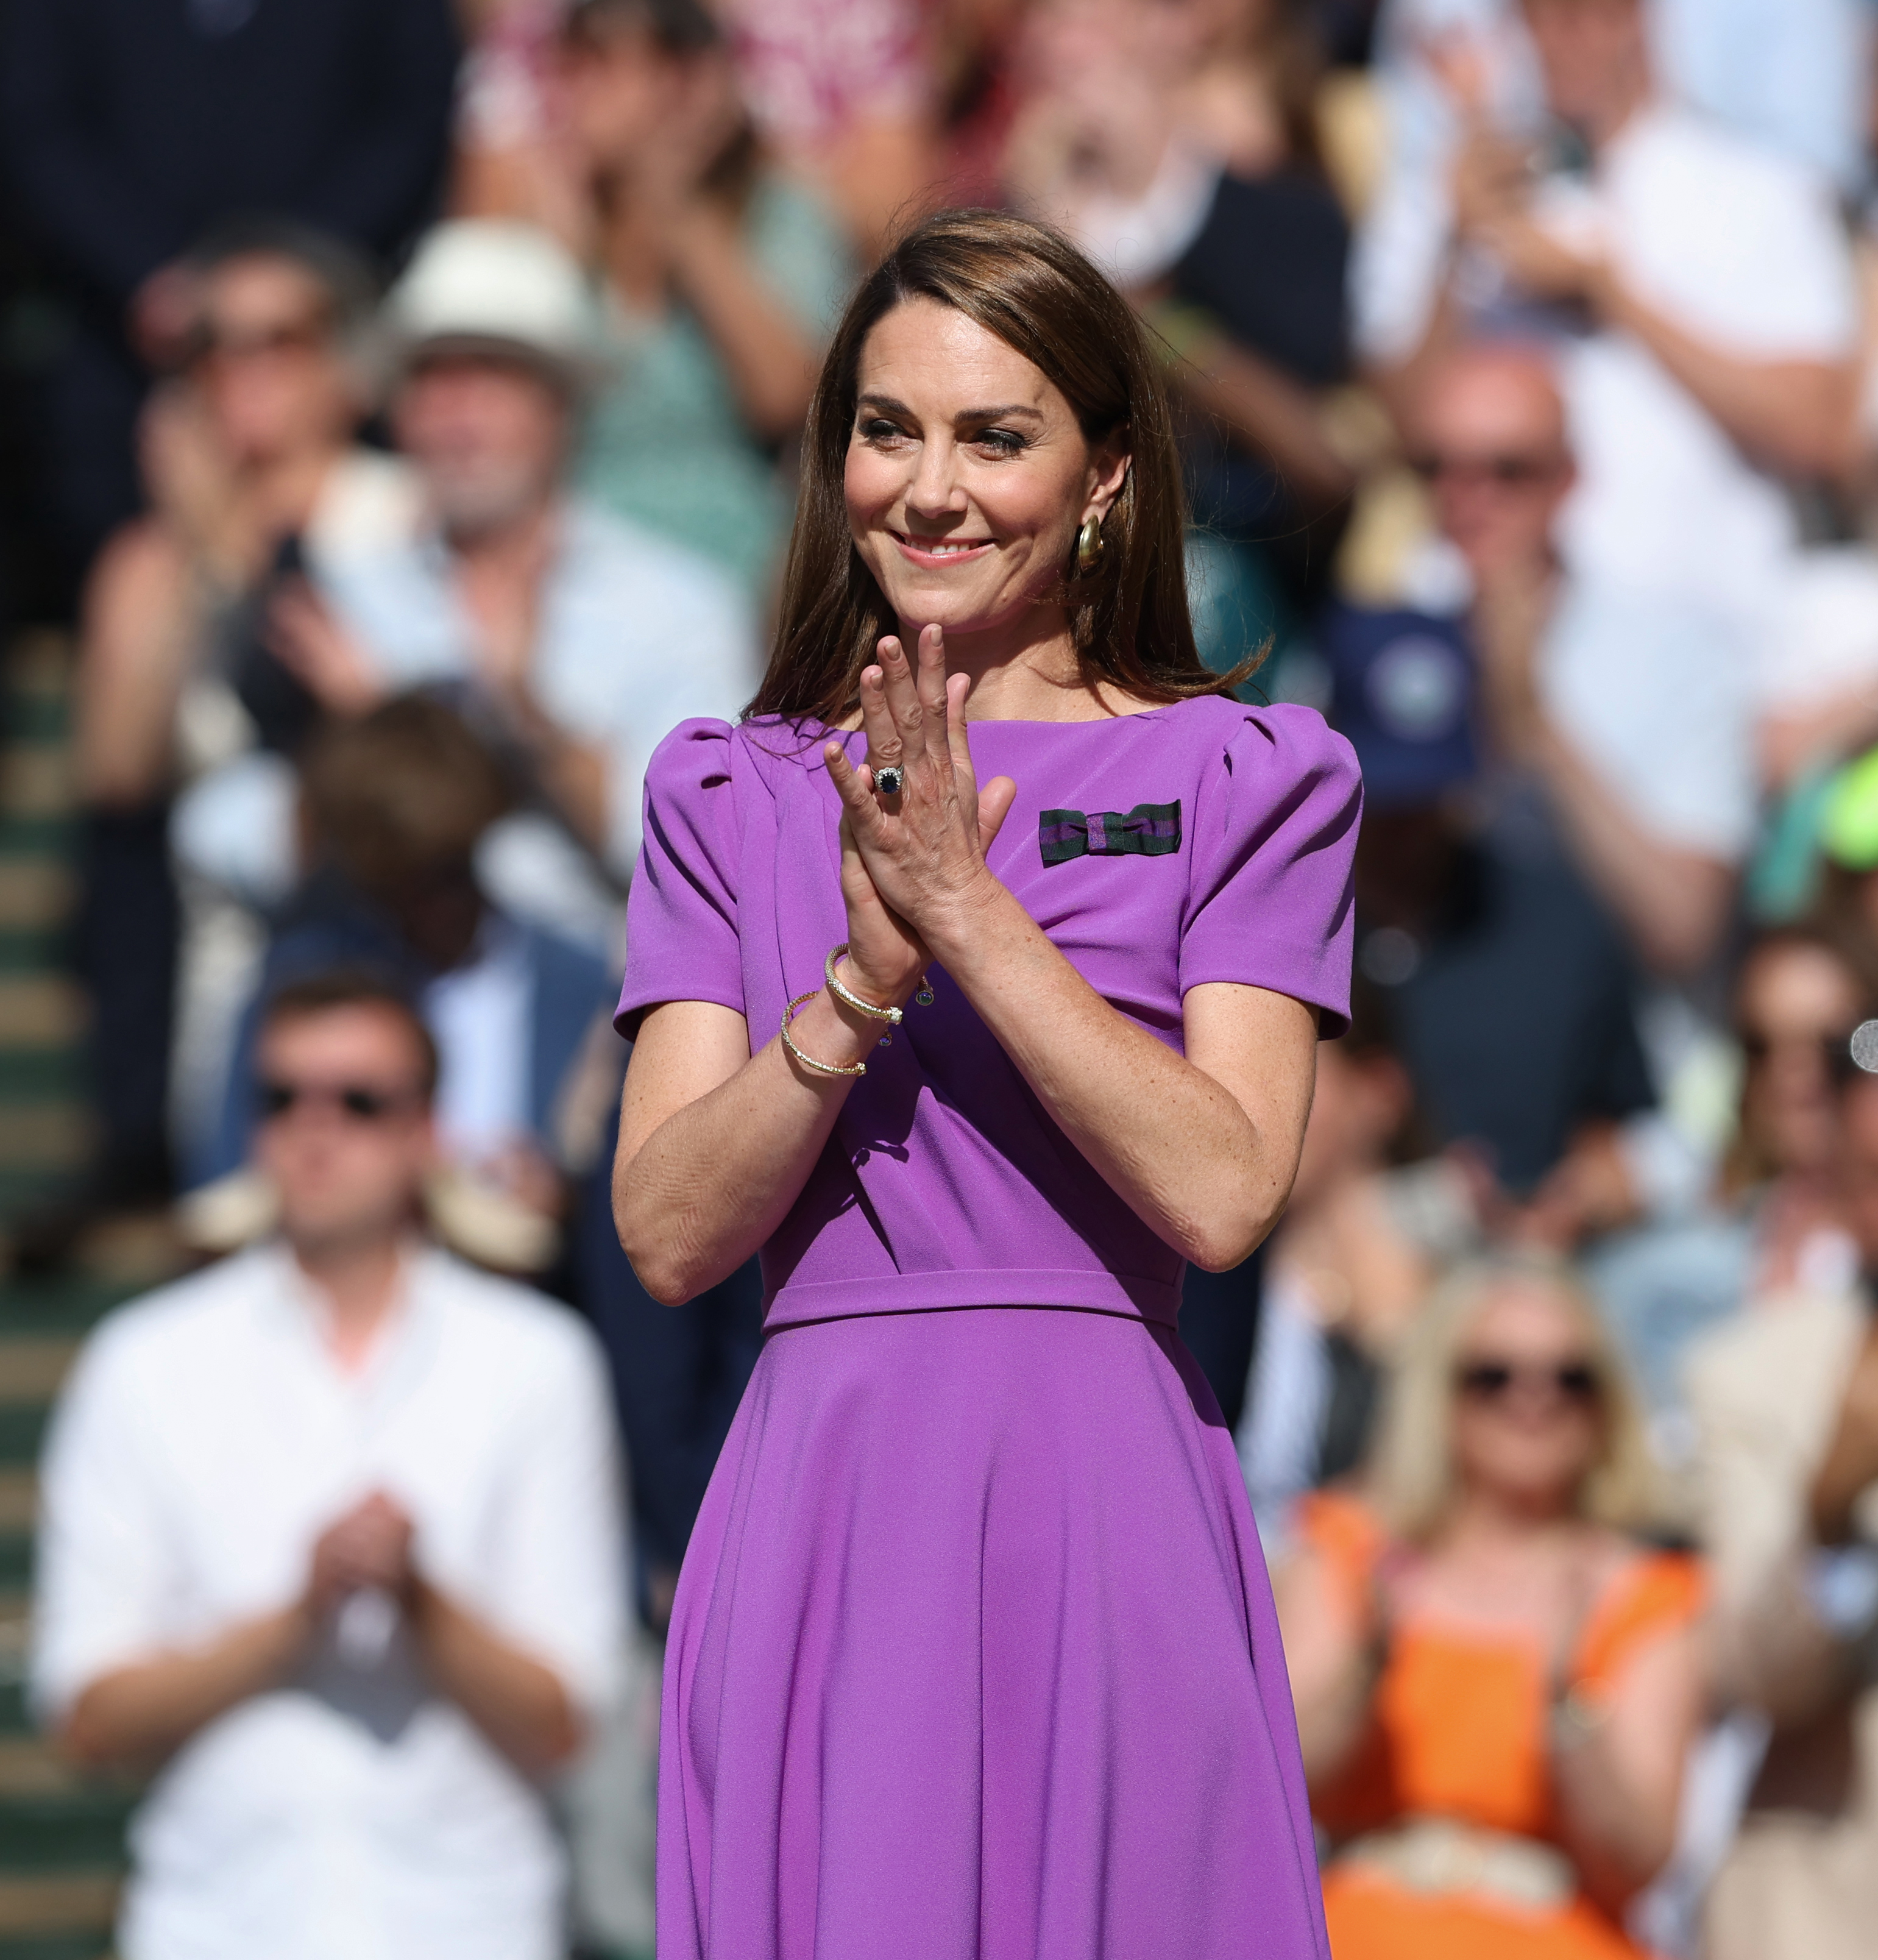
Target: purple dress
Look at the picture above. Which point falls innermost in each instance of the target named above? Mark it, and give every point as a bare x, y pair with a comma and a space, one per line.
974, 1656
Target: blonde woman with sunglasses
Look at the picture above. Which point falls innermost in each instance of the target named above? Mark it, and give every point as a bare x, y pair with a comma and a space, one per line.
1497, 1682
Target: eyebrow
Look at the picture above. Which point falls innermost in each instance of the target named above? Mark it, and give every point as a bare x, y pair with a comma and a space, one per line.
994, 414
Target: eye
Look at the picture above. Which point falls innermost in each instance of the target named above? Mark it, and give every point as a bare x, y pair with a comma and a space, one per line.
878, 428
1002, 441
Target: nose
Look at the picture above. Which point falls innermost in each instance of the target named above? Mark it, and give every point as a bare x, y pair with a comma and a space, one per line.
936, 491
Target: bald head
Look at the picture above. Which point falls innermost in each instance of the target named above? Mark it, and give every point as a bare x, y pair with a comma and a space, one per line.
1490, 438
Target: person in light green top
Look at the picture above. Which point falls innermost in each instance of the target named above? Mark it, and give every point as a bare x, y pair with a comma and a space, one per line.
721, 277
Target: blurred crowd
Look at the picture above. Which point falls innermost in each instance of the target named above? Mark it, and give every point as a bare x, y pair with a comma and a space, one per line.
406, 429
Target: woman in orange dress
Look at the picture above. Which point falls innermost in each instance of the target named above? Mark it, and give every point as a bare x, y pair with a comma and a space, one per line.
1496, 1684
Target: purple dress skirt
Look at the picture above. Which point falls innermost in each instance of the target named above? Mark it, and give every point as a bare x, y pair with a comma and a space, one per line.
974, 1655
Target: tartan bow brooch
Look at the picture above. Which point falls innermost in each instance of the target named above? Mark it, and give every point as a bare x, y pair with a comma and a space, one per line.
1148, 830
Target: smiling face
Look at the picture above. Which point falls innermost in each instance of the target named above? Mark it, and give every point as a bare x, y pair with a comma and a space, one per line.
1529, 1419
967, 477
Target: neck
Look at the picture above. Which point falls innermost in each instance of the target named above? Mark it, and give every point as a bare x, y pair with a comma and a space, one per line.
1486, 1519
1024, 670
357, 1279
1625, 102
515, 539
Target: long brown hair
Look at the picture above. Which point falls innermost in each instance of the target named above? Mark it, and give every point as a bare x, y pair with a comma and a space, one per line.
1031, 288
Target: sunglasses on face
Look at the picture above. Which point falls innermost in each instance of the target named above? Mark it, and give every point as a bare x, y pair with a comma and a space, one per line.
1506, 472
1489, 1381
1835, 1051
355, 1101
305, 336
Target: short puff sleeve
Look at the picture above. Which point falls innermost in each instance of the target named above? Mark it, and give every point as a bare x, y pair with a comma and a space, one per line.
682, 911
1274, 841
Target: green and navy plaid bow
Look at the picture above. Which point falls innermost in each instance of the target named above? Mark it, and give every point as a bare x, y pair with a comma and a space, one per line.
1148, 830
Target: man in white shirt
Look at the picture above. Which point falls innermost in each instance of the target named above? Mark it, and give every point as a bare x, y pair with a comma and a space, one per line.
1629, 707
332, 1538
1701, 287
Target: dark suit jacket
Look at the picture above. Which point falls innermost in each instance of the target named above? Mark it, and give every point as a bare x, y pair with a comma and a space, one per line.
131, 126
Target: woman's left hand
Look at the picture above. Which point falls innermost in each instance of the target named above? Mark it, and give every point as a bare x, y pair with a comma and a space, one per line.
925, 847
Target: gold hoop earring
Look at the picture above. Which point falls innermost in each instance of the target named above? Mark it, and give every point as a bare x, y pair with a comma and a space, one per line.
1089, 545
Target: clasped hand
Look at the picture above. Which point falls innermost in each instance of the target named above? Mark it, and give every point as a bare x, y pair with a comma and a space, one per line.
913, 864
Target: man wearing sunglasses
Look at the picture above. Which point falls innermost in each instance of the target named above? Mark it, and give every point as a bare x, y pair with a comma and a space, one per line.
1786, 1396
1628, 709
331, 1542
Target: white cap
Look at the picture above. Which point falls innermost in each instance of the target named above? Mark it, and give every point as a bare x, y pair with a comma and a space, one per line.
494, 282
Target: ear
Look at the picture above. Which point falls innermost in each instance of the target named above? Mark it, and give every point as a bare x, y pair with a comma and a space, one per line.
1109, 461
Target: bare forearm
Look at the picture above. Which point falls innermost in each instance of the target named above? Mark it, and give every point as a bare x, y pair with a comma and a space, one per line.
517, 1701
1168, 1138
1618, 1836
139, 1714
1797, 415
710, 1184
1672, 902
772, 366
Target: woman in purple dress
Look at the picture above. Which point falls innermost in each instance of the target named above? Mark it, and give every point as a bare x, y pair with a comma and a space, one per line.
974, 1656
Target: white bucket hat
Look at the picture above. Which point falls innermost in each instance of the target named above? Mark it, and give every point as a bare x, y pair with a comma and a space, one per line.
495, 283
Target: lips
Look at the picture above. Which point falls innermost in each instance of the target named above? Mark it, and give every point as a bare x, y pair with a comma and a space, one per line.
941, 551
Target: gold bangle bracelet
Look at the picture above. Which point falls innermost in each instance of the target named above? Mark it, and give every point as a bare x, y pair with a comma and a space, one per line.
808, 1061
872, 1009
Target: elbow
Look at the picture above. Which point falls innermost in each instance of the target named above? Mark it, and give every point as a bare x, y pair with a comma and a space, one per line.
1217, 1246
666, 1282
656, 1266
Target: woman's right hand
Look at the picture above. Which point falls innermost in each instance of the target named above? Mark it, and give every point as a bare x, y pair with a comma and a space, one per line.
885, 957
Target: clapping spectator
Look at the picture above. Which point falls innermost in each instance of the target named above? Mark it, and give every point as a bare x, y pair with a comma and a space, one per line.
1176, 144
332, 1540
722, 279
1773, 1222
1497, 1685
573, 640
1628, 707
1701, 287
1784, 1397
249, 462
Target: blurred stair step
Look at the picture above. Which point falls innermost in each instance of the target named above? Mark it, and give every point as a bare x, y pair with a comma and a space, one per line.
59, 1903
56, 1946
19, 1500
82, 1833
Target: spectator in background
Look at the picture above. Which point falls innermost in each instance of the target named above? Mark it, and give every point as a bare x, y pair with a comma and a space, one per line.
128, 131
1702, 289
1774, 1220
573, 641
1176, 143
1628, 709
1785, 1399
250, 463
393, 806
843, 91
1497, 1685
722, 280
1347, 1272
1502, 984
332, 1540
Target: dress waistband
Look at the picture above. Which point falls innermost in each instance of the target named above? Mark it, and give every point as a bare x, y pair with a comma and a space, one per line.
1131, 1296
